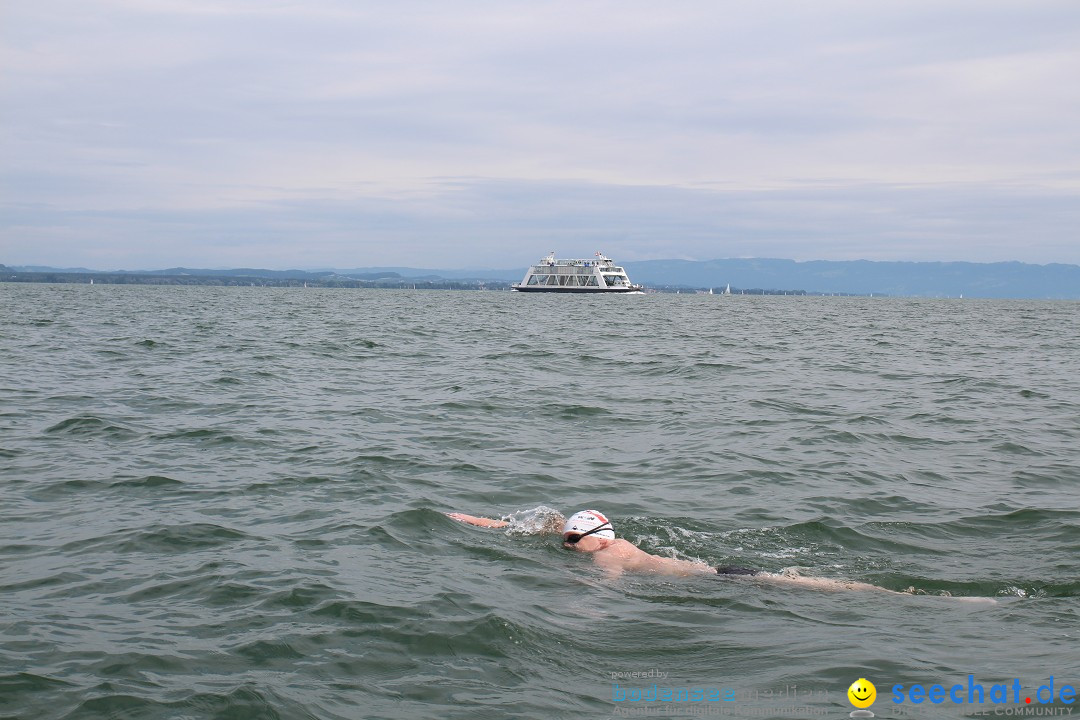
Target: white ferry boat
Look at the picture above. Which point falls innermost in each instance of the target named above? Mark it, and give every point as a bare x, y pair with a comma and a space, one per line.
576, 276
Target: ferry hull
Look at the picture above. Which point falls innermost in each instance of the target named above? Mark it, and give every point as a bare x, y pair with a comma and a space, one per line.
594, 291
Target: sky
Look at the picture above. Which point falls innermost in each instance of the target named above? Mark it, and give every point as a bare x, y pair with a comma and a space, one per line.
145, 134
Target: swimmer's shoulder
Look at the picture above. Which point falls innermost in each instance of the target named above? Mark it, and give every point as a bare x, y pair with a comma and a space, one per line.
620, 548
625, 547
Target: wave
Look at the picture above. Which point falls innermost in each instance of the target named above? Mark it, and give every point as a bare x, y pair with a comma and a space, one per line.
92, 426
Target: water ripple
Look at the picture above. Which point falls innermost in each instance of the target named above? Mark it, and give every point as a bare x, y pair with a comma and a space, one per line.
227, 502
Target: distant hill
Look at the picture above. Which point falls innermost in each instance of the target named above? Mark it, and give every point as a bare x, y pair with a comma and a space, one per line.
862, 277
855, 277
242, 277
858, 277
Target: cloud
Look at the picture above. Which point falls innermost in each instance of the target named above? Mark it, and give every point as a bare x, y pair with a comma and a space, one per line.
497, 223
836, 130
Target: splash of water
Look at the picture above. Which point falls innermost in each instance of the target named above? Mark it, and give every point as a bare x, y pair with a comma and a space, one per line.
536, 521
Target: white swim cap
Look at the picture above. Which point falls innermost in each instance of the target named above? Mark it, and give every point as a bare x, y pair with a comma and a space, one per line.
586, 520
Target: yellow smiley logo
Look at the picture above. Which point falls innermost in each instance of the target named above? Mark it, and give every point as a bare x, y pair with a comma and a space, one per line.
862, 693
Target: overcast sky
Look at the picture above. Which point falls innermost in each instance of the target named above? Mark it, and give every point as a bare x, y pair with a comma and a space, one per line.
142, 134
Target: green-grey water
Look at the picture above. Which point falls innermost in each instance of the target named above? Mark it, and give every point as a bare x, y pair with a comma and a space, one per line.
228, 502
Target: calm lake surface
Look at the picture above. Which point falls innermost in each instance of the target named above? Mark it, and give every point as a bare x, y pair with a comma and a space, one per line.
228, 502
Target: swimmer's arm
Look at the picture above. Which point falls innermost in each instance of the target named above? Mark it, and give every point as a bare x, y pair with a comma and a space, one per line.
478, 521
680, 568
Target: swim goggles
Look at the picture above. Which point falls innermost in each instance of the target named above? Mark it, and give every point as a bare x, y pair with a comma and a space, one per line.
573, 538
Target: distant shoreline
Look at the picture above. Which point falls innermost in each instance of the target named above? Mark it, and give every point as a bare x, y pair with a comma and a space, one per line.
103, 278
745, 276
237, 281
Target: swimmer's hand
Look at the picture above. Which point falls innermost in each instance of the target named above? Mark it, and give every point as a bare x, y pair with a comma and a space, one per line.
478, 521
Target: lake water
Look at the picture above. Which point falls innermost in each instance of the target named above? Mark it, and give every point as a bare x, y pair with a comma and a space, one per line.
227, 502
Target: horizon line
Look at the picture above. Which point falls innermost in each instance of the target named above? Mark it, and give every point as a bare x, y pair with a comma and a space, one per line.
500, 269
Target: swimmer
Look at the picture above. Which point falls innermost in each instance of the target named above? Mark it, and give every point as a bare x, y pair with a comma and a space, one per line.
589, 531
